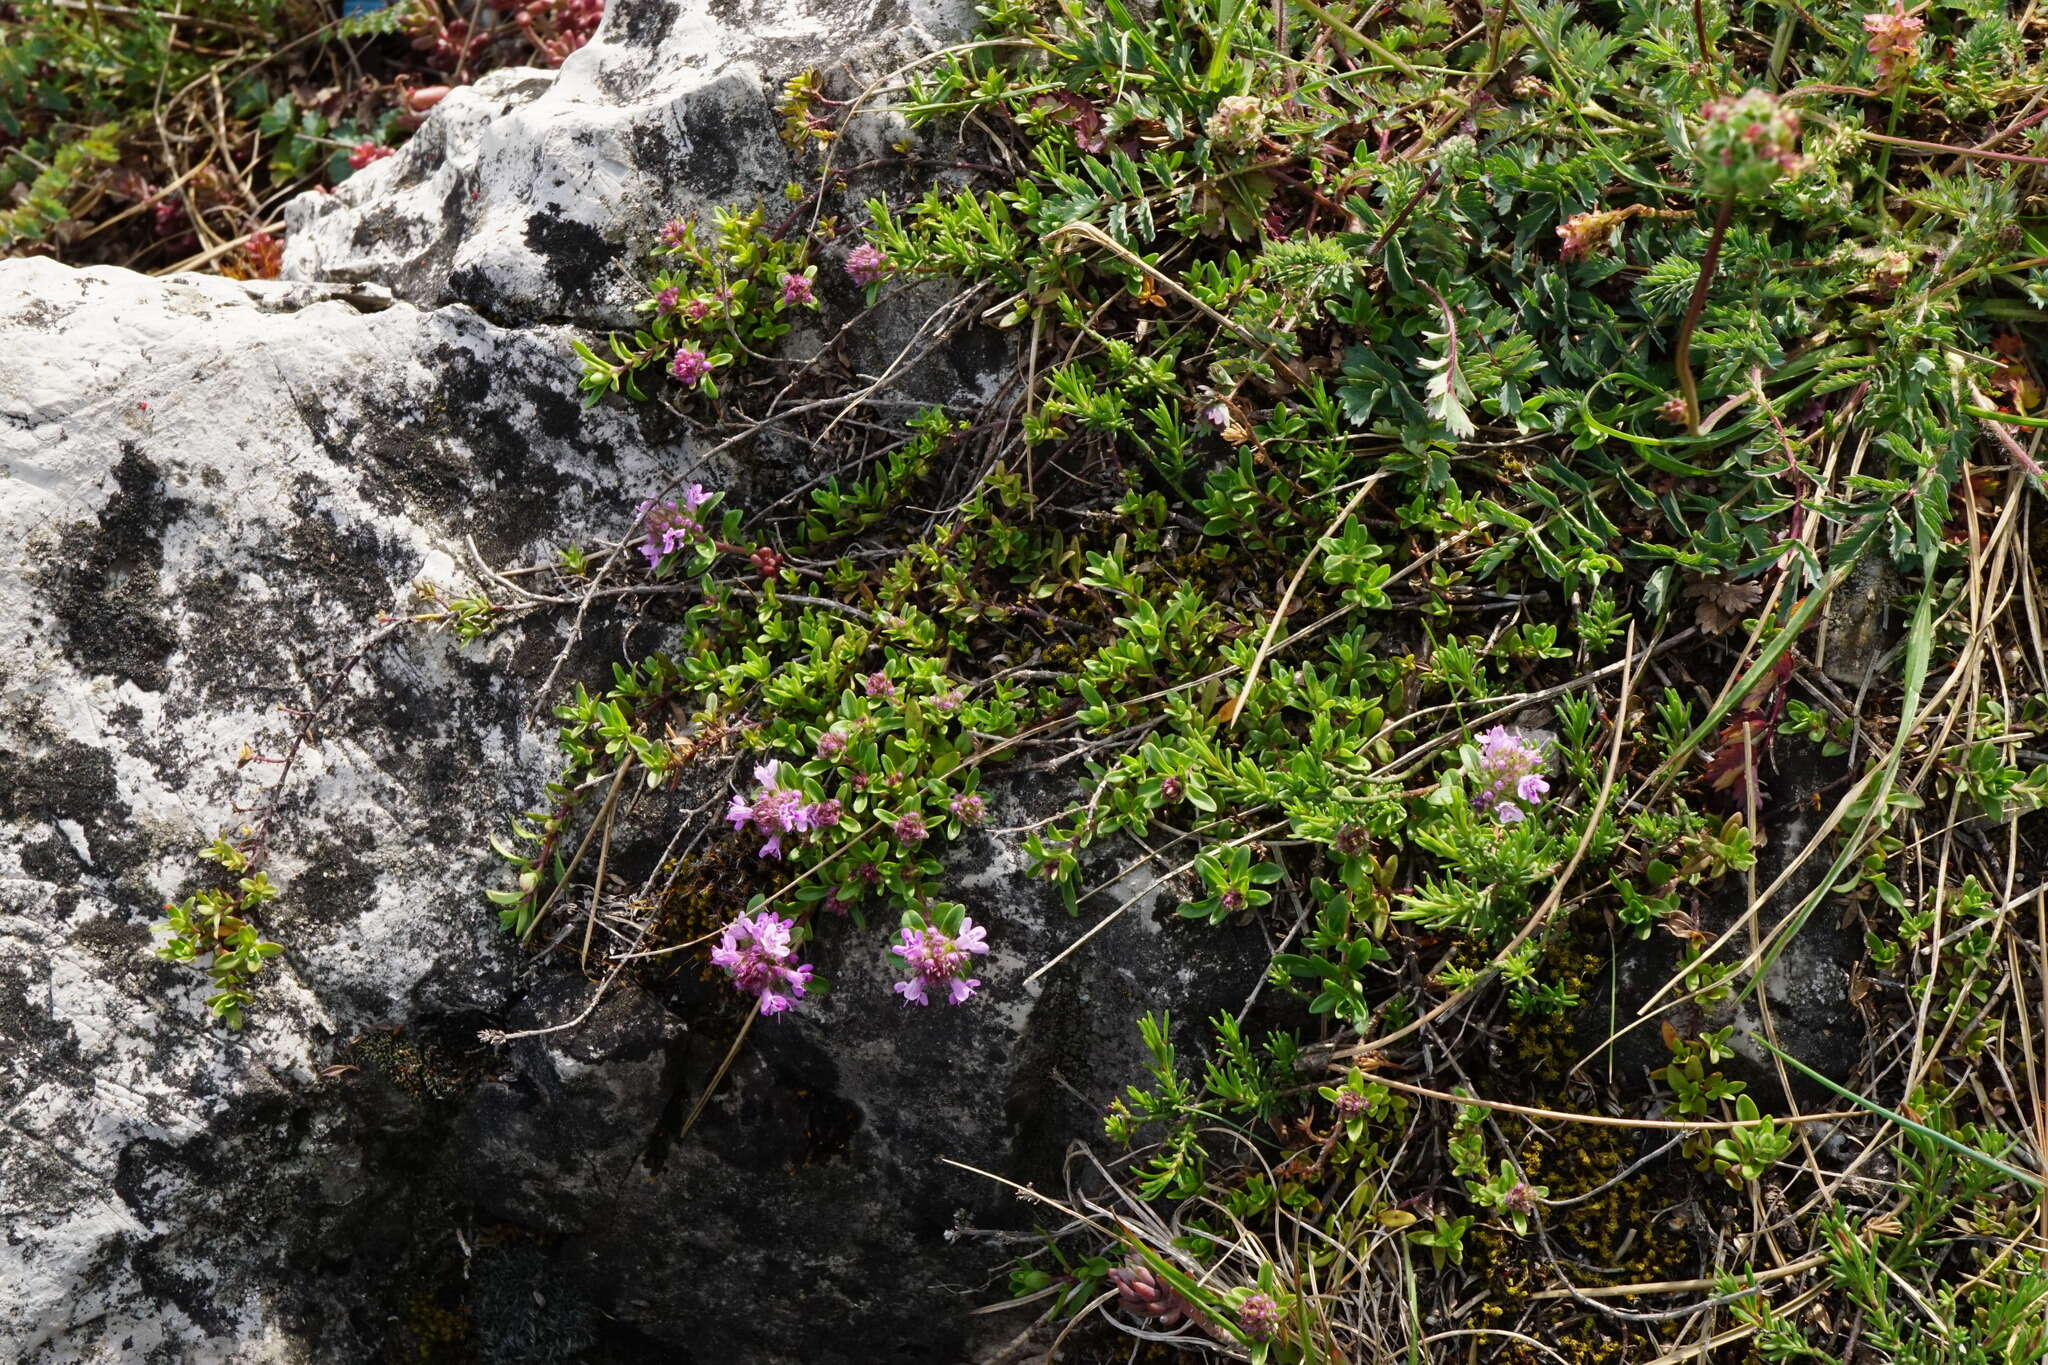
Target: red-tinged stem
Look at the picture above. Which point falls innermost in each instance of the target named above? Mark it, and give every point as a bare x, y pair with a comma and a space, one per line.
1681, 351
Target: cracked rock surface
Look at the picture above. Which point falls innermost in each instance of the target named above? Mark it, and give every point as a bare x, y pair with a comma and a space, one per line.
211, 495
531, 193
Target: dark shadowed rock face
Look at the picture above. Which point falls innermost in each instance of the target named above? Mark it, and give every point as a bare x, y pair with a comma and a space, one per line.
1807, 989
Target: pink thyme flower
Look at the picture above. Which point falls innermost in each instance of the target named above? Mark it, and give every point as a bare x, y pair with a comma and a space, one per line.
878, 685
1895, 42
937, 961
690, 366
866, 264
947, 702
796, 290
696, 310
1259, 1316
755, 951
967, 808
775, 810
1511, 770
909, 828
674, 233
831, 745
825, 814
668, 300
671, 525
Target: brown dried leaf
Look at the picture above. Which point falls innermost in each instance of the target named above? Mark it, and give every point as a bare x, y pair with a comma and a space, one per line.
1721, 604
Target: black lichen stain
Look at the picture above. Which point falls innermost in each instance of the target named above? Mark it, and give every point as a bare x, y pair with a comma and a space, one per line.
105, 587
576, 253
640, 23
460, 449
44, 779
700, 147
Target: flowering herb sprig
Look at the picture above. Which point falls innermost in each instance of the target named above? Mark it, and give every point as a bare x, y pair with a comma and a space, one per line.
1745, 144
778, 811
866, 266
1895, 42
939, 953
1263, 1310
1510, 776
671, 524
717, 295
1233, 882
757, 953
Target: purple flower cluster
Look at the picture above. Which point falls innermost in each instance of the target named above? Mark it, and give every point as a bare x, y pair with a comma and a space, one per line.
1510, 770
755, 950
777, 810
674, 233
690, 366
866, 264
796, 291
938, 961
967, 808
1259, 1316
671, 524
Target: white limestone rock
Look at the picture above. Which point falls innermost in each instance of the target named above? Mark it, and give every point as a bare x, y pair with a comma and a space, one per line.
532, 194
209, 492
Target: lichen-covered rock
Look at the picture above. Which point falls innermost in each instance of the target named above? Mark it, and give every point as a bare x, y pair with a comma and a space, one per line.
530, 194
209, 492
211, 495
